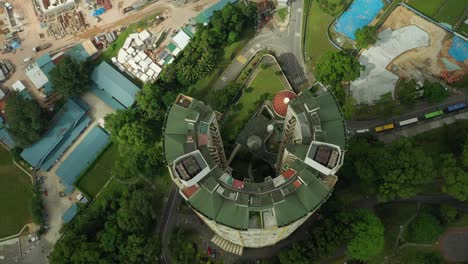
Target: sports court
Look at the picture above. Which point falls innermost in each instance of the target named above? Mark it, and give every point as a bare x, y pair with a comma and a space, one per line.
359, 14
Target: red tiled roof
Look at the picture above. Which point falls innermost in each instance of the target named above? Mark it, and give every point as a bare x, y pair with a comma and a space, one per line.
202, 139
238, 184
297, 183
281, 101
189, 191
289, 173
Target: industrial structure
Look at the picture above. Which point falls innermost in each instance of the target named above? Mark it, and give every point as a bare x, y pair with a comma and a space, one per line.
303, 139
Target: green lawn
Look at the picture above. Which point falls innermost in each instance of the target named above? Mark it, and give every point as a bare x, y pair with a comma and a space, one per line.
282, 13
447, 11
15, 196
99, 173
200, 89
316, 40
266, 83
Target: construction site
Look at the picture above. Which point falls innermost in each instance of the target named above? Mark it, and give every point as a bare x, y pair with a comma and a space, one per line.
410, 46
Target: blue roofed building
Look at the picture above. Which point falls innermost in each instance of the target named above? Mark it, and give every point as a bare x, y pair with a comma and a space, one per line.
205, 16
70, 213
82, 157
69, 122
82, 51
113, 87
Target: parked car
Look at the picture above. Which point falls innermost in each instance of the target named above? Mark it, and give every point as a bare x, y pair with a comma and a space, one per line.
209, 251
33, 238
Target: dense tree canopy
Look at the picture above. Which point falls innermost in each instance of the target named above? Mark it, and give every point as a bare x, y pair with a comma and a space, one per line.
434, 92
368, 239
121, 230
366, 36
407, 92
26, 119
336, 67
396, 170
220, 99
199, 57
456, 178
324, 237
184, 249
465, 153
70, 78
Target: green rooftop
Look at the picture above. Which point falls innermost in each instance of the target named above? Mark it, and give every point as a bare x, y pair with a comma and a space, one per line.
231, 202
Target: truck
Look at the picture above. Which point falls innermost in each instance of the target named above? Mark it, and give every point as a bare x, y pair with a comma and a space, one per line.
42, 47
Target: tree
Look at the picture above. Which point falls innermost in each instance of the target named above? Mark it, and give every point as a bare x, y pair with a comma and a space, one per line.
70, 78
368, 239
402, 169
332, 8
26, 119
465, 153
349, 107
136, 213
221, 99
385, 105
426, 228
434, 92
448, 212
407, 92
366, 36
456, 179
336, 67
149, 100
183, 245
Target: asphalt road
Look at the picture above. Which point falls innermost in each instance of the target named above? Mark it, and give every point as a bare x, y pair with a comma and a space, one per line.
419, 111
286, 44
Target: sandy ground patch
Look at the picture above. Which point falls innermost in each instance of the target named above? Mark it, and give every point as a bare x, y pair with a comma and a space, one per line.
421, 63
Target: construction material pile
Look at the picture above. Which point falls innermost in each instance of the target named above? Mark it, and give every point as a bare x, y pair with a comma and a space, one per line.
66, 23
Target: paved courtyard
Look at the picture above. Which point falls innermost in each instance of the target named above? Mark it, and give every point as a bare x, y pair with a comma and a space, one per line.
454, 244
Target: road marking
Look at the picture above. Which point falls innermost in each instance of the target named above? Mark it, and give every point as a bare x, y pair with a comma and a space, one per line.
298, 34
299, 10
241, 59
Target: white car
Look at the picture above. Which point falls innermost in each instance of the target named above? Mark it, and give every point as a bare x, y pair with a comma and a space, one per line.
33, 238
8, 5
27, 59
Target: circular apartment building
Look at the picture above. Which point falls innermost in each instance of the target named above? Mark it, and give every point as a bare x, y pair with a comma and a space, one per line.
292, 148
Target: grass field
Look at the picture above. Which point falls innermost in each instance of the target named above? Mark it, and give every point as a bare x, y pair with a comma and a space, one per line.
316, 40
15, 196
447, 11
282, 12
99, 173
202, 87
266, 83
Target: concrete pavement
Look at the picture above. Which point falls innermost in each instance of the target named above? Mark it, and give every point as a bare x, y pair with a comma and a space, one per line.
287, 46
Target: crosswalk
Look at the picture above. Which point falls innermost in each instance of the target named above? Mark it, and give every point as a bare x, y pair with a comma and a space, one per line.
299, 79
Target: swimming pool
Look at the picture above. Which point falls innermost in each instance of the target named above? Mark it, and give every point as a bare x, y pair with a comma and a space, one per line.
459, 49
359, 14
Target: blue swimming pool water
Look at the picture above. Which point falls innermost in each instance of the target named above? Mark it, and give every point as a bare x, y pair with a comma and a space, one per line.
459, 49
359, 14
